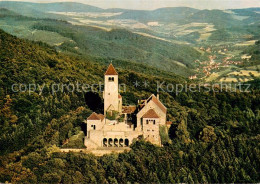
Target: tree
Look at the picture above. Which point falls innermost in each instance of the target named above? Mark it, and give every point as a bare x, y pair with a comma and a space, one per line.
208, 134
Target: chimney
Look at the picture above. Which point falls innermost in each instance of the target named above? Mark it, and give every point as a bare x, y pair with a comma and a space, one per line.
157, 96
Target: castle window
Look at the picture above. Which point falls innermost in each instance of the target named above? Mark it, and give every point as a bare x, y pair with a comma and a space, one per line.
104, 142
94, 127
110, 79
154, 122
147, 121
126, 142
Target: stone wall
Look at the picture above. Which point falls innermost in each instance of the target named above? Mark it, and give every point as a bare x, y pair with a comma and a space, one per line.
151, 130
150, 105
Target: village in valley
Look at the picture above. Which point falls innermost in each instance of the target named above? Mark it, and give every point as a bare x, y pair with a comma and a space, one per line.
223, 64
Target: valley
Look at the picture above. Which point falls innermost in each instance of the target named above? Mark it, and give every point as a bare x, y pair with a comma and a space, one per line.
206, 45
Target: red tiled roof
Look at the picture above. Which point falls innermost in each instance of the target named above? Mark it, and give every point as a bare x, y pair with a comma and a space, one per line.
128, 109
156, 101
111, 70
119, 96
150, 114
94, 116
159, 104
101, 116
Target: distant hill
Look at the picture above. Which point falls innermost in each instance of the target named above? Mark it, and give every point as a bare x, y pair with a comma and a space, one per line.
23, 8
165, 38
39, 10
118, 44
252, 15
216, 17
65, 7
46, 7
167, 15
6, 12
123, 44
180, 15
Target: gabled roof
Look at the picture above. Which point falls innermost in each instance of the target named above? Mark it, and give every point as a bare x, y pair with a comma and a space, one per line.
150, 114
155, 100
158, 103
101, 116
110, 108
111, 70
94, 116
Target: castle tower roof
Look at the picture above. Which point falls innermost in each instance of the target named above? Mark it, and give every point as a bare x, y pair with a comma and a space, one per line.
111, 70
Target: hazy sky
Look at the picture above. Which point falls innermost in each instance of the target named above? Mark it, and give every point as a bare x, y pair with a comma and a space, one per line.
154, 4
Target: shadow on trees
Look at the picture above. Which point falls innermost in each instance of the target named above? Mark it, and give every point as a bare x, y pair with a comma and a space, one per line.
94, 102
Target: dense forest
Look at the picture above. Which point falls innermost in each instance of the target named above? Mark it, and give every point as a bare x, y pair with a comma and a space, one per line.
214, 136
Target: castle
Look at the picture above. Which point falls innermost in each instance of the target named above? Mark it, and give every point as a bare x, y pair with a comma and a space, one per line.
119, 124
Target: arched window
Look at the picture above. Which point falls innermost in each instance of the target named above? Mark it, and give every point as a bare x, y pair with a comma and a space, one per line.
110, 79
104, 142
110, 142
116, 142
121, 142
126, 142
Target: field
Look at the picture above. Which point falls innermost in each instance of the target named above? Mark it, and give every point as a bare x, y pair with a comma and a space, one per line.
246, 43
240, 76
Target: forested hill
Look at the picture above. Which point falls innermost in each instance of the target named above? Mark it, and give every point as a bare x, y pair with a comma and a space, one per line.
124, 45
116, 43
214, 136
25, 62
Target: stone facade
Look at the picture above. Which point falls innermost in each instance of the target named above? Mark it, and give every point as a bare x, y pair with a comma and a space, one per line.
120, 125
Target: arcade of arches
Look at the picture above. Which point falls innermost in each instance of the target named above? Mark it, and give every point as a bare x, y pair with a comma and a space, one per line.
109, 142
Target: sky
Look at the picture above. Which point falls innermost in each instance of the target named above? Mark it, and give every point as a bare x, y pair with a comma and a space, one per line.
154, 4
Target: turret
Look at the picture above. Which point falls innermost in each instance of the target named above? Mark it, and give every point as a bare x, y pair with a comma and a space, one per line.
111, 95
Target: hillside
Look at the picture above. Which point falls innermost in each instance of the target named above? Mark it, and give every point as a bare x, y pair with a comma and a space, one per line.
214, 137
167, 15
48, 7
178, 40
116, 44
125, 45
24, 62
5, 12
43, 10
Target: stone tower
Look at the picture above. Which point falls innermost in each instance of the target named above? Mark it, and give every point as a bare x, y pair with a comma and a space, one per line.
111, 95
